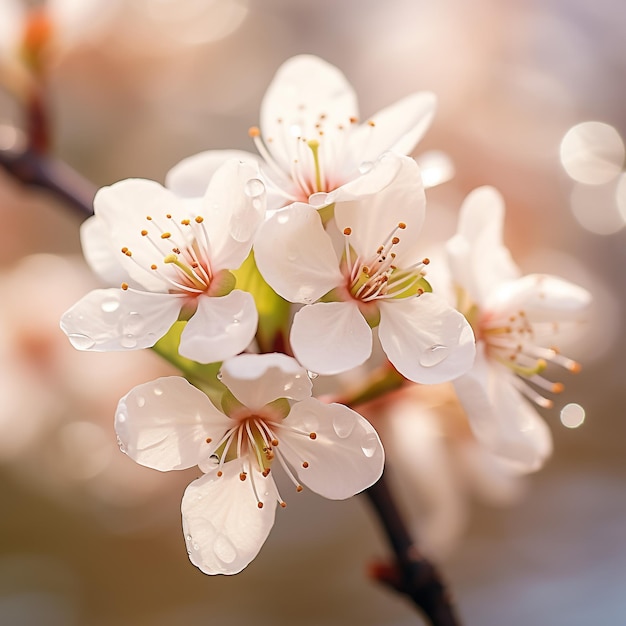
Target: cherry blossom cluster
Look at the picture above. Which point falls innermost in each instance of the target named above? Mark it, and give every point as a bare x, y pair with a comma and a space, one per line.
254, 273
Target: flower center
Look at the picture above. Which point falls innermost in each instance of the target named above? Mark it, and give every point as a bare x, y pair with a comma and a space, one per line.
377, 277
512, 340
182, 257
312, 158
254, 438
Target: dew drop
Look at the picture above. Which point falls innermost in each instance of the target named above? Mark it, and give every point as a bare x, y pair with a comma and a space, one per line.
122, 445
365, 167
188, 537
157, 391
318, 199
110, 305
434, 355
128, 341
312, 375
81, 342
141, 401
254, 188
224, 549
369, 445
343, 423
121, 417
133, 323
220, 375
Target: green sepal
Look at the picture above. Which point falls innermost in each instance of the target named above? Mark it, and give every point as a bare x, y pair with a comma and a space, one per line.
202, 376
273, 310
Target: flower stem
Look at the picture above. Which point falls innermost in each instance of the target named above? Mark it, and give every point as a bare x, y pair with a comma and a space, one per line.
411, 573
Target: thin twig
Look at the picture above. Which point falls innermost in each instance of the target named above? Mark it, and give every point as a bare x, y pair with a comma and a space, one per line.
411, 573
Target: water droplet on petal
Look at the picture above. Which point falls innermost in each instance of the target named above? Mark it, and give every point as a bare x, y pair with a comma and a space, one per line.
365, 167
128, 341
141, 401
157, 391
224, 549
133, 323
220, 375
110, 305
254, 188
434, 355
122, 445
188, 537
312, 375
81, 342
121, 417
318, 199
369, 445
343, 423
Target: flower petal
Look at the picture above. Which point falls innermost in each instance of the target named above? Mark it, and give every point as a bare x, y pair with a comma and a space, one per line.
190, 178
220, 327
224, 527
101, 256
477, 257
296, 256
258, 379
235, 205
331, 337
164, 424
502, 420
542, 297
346, 455
397, 127
114, 319
373, 218
304, 88
426, 340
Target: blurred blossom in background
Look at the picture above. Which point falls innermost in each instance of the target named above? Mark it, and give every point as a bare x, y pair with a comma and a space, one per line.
531, 101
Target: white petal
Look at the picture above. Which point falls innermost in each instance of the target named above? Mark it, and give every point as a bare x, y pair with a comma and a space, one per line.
220, 327
542, 297
123, 209
190, 178
502, 420
477, 257
398, 127
436, 167
331, 337
102, 257
346, 455
234, 205
114, 319
223, 526
426, 340
373, 218
164, 424
304, 88
258, 379
296, 256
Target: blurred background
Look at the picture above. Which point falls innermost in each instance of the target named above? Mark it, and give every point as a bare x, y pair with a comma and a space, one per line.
531, 100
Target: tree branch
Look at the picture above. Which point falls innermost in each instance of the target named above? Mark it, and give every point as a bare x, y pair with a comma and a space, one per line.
411, 573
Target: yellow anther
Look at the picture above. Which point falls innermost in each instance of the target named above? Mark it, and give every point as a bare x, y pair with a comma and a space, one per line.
153, 267
144, 232
371, 123
299, 488
395, 240
185, 222
260, 504
199, 219
166, 235
347, 231
124, 286
401, 225
243, 476
208, 440
254, 131
305, 465
313, 435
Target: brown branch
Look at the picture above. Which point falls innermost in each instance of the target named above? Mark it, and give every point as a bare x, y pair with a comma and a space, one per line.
411, 573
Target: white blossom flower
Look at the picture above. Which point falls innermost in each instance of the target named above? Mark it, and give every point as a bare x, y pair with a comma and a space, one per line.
173, 257
516, 321
310, 140
374, 279
269, 418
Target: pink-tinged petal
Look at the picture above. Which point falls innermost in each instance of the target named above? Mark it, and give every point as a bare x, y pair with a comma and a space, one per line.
397, 127
331, 337
295, 255
502, 420
114, 319
220, 327
478, 259
223, 525
101, 256
426, 340
304, 88
542, 297
168, 424
374, 218
258, 379
190, 178
234, 207
346, 455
